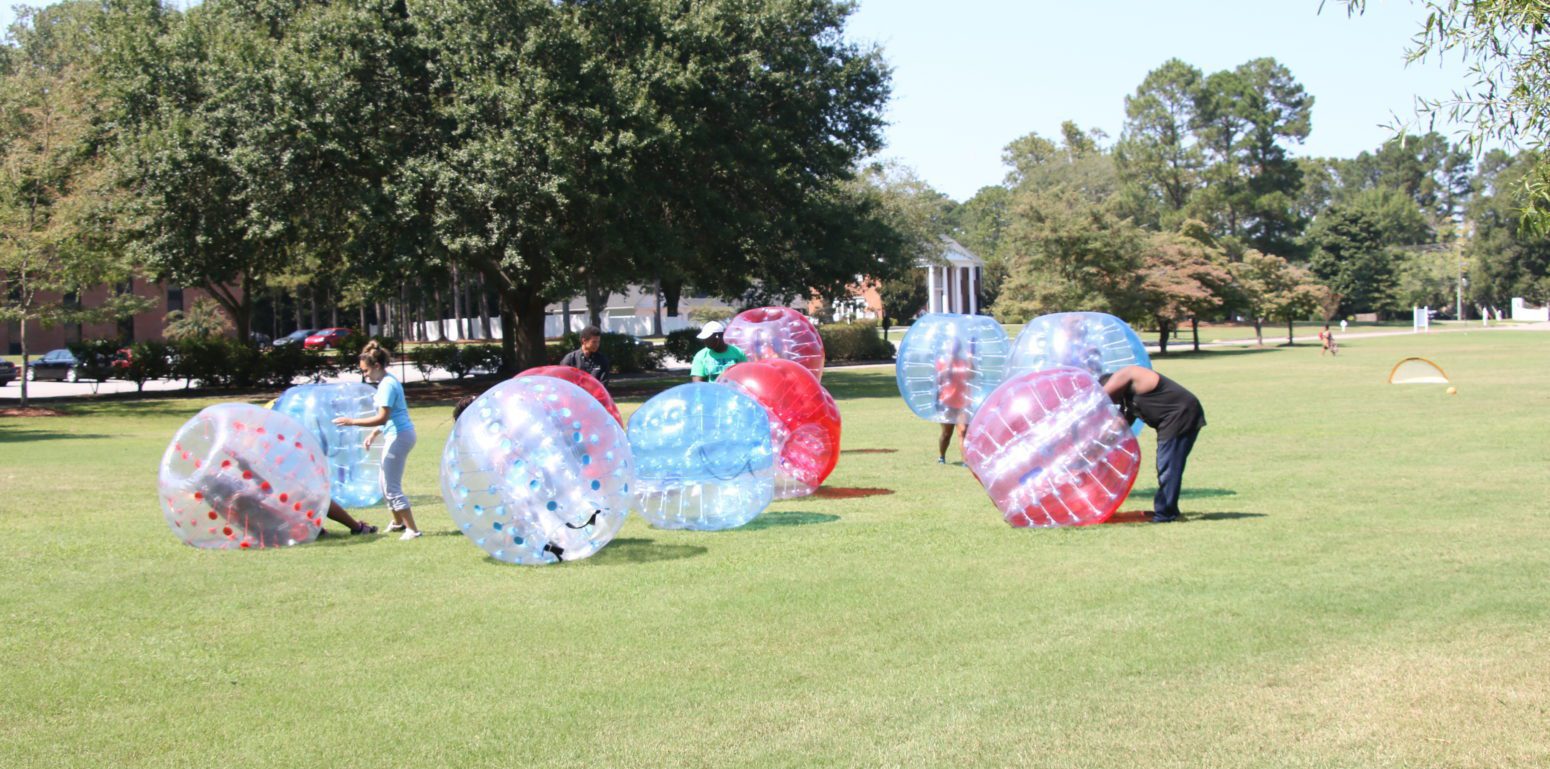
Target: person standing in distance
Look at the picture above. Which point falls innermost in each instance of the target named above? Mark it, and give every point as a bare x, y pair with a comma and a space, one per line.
716, 357
1174, 412
588, 358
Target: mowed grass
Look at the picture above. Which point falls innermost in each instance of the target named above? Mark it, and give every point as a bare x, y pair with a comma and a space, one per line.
1364, 581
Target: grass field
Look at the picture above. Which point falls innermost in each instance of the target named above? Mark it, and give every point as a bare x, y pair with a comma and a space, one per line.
1364, 581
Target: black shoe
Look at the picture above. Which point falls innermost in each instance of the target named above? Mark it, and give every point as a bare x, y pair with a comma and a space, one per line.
1167, 518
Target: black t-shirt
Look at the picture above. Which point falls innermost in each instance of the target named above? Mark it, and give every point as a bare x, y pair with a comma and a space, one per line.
1169, 409
595, 364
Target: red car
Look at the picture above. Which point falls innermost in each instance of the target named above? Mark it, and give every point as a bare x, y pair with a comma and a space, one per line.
326, 339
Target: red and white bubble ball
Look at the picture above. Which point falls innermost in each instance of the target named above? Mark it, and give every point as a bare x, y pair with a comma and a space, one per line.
804, 421
237, 476
1051, 449
765, 333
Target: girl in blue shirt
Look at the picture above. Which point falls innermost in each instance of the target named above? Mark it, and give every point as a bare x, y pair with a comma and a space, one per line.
392, 422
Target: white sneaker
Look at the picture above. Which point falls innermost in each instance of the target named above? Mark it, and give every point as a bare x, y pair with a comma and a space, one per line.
408, 535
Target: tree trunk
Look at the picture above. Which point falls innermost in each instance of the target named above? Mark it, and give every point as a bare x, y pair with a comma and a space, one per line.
597, 302
312, 299
457, 305
26, 360
672, 291
656, 308
484, 309
527, 310
1194, 327
1259, 330
1289, 341
1162, 336
365, 329
564, 317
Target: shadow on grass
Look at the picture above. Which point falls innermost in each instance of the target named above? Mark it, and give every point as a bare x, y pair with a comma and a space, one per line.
849, 492
1215, 352
1145, 516
783, 519
342, 537
869, 451
1186, 493
635, 550
844, 384
12, 435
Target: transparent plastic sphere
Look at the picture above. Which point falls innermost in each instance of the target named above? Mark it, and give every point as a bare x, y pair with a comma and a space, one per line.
242, 476
948, 364
536, 471
766, 333
1095, 341
580, 379
804, 422
354, 471
703, 458
1051, 449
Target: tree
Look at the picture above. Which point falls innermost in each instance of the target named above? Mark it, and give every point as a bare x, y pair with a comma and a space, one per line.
56, 222
1272, 288
1507, 259
1508, 96
1183, 275
1157, 148
1350, 256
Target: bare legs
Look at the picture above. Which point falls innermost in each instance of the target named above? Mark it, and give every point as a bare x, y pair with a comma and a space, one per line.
947, 439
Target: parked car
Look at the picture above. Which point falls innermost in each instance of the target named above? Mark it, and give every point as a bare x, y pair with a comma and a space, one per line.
326, 339
295, 337
261, 340
57, 364
7, 372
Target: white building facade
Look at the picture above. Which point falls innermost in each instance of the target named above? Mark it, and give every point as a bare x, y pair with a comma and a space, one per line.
953, 279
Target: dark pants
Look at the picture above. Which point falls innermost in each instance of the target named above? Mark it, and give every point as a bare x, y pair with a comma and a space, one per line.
1171, 456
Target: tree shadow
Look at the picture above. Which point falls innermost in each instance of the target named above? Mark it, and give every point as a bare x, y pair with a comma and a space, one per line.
784, 519
1248, 348
24, 435
849, 492
1187, 493
869, 451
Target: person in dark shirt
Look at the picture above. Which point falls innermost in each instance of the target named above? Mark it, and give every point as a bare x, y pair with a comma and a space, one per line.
1174, 412
588, 358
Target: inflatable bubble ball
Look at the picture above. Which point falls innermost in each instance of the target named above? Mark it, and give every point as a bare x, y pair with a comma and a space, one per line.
777, 332
536, 471
241, 476
949, 363
703, 458
354, 471
1051, 449
804, 421
1096, 341
580, 379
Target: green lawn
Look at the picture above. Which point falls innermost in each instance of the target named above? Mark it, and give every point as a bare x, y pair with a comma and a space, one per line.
1364, 581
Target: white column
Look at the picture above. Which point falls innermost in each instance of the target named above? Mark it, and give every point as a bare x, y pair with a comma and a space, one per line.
974, 290
931, 303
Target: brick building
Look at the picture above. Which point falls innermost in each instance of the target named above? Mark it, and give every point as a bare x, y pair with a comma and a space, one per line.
144, 326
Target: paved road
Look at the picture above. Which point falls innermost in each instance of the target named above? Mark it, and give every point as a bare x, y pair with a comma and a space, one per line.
406, 373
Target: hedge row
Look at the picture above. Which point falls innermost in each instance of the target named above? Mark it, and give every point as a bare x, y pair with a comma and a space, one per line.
214, 361
841, 342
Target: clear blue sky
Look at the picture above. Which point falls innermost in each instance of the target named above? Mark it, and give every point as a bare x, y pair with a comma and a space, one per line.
972, 75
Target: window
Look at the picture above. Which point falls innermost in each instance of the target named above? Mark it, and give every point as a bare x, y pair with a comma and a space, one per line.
174, 299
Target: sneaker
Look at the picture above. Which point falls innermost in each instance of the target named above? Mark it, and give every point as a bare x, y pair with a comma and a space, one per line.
1168, 519
365, 528
392, 527
941, 460
408, 535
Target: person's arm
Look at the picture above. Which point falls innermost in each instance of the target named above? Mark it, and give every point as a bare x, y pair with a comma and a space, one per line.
604, 368
571, 359
381, 418
1117, 385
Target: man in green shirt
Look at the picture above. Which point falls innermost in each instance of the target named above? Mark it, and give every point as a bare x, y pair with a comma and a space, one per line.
716, 357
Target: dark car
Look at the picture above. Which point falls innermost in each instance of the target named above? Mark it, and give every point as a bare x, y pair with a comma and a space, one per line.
57, 364
295, 337
326, 339
7, 372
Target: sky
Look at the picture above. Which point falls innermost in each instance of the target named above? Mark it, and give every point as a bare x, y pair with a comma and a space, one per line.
972, 75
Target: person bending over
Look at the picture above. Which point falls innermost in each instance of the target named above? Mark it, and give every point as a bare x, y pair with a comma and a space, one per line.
1174, 412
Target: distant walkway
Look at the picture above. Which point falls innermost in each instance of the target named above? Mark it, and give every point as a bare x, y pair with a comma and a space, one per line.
1271, 340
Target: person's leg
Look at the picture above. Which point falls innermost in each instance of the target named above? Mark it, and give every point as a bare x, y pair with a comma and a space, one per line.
394, 456
963, 432
942, 442
339, 514
1171, 456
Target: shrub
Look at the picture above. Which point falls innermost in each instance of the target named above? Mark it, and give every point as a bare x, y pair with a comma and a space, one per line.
854, 342
483, 358
349, 349
206, 360
95, 358
683, 344
429, 357
147, 361
282, 365
703, 315
204, 319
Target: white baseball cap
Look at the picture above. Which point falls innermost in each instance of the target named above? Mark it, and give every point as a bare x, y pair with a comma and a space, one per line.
711, 329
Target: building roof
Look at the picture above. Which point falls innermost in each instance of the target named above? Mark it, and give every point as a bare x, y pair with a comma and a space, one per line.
953, 254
